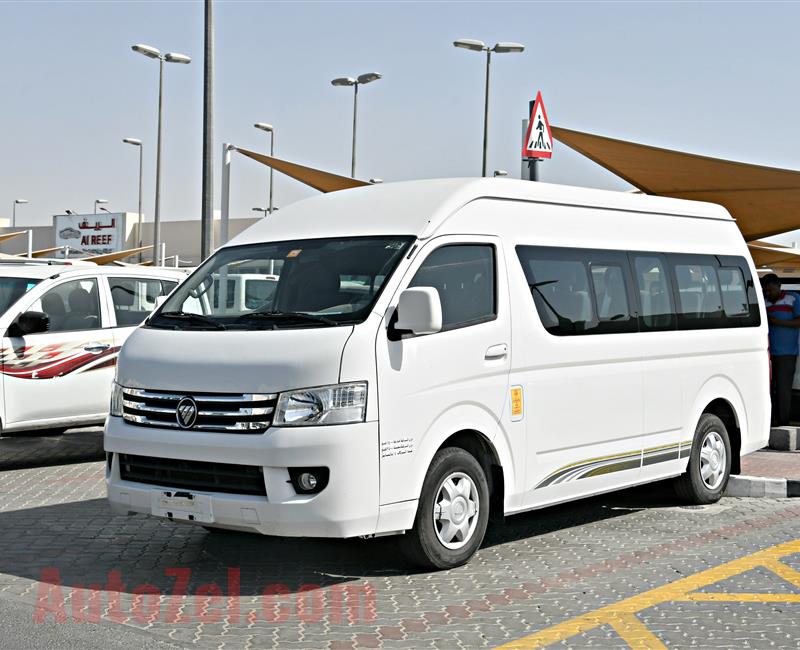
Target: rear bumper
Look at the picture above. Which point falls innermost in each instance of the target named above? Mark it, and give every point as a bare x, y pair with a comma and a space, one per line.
347, 507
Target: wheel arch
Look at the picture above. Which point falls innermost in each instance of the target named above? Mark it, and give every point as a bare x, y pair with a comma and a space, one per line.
725, 411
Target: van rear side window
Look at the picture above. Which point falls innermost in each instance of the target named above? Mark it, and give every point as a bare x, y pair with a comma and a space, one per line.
586, 291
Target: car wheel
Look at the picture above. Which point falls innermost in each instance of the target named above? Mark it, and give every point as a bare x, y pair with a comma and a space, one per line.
452, 513
709, 467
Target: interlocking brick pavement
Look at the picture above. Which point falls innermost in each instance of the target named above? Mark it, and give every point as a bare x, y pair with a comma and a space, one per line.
245, 591
772, 464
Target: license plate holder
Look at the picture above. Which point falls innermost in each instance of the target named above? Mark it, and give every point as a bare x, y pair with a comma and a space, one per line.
181, 504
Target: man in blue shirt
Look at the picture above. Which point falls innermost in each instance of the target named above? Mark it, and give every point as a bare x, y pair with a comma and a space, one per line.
783, 316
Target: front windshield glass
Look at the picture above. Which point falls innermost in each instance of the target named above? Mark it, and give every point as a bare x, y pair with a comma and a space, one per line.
302, 283
12, 289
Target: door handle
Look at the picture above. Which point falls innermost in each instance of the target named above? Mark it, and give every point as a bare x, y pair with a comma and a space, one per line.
96, 348
499, 351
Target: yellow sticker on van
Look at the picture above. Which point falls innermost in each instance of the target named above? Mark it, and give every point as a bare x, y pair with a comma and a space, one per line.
516, 401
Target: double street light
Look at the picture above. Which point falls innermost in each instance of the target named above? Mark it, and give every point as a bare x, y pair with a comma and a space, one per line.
268, 128
499, 48
365, 78
169, 57
14, 210
138, 143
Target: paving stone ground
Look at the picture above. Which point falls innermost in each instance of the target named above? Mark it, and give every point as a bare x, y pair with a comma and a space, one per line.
66, 559
772, 464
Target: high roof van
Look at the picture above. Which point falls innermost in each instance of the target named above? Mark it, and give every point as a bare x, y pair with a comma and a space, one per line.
436, 351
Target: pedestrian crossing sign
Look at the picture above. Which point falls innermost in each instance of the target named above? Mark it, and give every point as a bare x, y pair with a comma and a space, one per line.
538, 139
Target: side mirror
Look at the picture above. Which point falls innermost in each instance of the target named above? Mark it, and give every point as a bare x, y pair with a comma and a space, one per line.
419, 311
29, 322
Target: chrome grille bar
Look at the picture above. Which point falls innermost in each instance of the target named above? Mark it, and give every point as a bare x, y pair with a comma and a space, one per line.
229, 413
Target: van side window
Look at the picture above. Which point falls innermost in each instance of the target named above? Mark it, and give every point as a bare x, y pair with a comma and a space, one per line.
561, 293
698, 292
611, 298
463, 274
654, 293
734, 292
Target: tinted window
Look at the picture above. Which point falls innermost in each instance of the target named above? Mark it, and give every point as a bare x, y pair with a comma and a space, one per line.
560, 290
698, 291
71, 306
12, 289
464, 277
135, 298
654, 293
611, 294
734, 292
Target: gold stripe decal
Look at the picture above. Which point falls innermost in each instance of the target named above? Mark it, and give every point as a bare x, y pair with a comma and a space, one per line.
609, 464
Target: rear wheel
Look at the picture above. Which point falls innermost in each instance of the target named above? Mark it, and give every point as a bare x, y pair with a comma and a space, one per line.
709, 463
452, 513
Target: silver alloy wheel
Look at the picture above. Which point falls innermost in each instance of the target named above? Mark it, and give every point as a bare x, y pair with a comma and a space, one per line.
455, 510
712, 460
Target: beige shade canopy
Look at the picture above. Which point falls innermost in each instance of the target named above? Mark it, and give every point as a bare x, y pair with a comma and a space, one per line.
10, 235
316, 178
764, 201
119, 255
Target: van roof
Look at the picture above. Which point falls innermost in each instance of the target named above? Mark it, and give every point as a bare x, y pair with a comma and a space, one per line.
420, 207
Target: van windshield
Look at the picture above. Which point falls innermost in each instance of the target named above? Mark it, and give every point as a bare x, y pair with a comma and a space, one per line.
12, 289
293, 284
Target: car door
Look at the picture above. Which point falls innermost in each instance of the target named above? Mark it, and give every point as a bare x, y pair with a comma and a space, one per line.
133, 298
66, 372
435, 385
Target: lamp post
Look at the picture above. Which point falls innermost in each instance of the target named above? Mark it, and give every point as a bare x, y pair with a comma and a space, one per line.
14, 210
138, 143
499, 48
169, 57
99, 201
263, 126
365, 78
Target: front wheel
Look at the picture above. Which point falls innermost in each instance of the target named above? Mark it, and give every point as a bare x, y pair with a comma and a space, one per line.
452, 514
709, 463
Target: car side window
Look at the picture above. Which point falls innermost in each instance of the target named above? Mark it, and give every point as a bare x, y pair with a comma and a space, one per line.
72, 306
134, 298
654, 293
464, 276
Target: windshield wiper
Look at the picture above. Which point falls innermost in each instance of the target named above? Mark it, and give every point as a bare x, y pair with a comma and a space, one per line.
288, 315
194, 318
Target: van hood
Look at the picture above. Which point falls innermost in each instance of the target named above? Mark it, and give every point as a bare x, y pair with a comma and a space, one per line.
263, 361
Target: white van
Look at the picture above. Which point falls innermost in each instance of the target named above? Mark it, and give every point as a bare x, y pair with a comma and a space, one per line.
62, 325
438, 349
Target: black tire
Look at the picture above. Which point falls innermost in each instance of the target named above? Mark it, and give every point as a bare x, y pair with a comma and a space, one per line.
423, 544
691, 486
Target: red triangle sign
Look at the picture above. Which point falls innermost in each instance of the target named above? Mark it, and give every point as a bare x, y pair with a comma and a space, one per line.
538, 140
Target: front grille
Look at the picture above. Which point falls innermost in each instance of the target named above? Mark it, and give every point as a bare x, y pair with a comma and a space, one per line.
225, 412
193, 475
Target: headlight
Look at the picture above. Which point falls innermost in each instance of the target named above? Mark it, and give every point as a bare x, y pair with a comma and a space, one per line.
337, 404
116, 400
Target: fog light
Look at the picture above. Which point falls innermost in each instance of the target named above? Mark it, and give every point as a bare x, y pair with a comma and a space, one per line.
309, 480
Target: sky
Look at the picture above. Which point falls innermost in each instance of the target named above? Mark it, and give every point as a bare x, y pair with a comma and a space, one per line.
718, 79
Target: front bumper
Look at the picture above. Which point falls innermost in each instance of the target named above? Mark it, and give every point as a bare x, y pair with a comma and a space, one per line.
347, 507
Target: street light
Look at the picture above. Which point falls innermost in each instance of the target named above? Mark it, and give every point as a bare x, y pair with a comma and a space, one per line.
14, 210
169, 57
365, 78
106, 210
138, 143
98, 201
263, 126
499, 48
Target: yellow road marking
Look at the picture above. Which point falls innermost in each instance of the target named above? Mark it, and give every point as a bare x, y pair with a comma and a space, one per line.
622, 615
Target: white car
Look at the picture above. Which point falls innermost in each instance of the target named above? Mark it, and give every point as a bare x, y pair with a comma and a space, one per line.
62, 326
